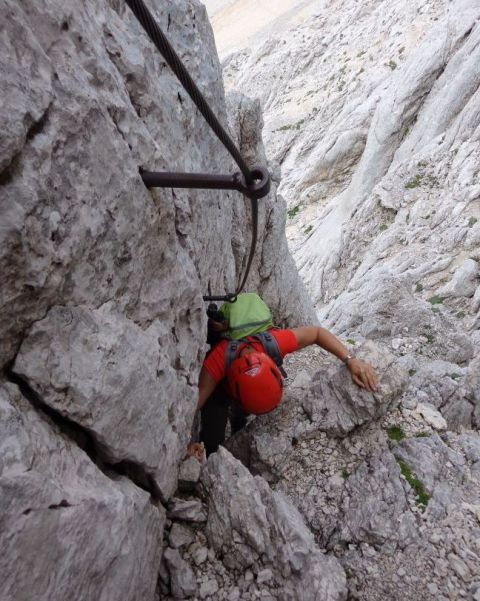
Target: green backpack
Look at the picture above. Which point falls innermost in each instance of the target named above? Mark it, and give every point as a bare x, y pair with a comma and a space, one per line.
247, 316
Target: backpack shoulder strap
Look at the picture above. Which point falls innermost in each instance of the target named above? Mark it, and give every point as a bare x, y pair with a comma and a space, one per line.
231, 351
271, 347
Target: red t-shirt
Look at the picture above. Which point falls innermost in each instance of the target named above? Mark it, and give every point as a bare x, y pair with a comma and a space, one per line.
215, 360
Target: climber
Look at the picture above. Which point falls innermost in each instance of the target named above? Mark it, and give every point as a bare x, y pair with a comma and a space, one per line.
253, 383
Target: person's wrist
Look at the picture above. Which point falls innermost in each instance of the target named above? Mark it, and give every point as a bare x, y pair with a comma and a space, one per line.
348, 358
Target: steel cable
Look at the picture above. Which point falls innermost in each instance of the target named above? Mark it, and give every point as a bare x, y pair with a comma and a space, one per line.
157, 36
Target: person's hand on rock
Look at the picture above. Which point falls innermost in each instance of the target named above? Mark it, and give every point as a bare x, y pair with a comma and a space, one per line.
196, 450
363, 374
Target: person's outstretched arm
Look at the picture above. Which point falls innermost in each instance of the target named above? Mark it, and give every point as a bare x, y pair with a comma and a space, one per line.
362, 373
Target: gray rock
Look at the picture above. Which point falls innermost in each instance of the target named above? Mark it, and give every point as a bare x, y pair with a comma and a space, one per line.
82, 237
274, 275
432, 588
200, 556
475, 591
449, 388
464, 281
302, 380
189, 474
264, 576
337, 405
187, 511
25, 107
180, 536
182, 579
431, 416
52, 495
470, 444
102, 279
375, 506
209, 587
440, 469
249, 524
75, 360
235, 594
459, 567
379, 167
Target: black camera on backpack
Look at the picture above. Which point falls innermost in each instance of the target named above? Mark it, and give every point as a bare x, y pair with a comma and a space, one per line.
215, 320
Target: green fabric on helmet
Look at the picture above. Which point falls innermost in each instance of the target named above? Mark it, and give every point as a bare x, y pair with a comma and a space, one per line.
248, 315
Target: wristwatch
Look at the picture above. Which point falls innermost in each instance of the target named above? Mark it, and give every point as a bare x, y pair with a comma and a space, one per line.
348, 358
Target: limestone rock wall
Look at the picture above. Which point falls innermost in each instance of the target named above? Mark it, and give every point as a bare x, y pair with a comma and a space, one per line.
102, 322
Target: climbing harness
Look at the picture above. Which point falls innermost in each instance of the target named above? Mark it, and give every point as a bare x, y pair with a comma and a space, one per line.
254, 183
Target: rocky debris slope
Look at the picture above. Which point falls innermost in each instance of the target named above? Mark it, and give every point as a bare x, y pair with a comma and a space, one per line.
395, 499
391, 500
102, 322
254, 543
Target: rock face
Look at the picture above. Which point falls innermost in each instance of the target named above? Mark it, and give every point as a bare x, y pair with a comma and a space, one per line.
337, 405
63, 520
371, 110
373, 119
103, 329
102, 322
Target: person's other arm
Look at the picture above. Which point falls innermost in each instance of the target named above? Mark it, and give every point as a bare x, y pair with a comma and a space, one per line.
206, 386
362, 373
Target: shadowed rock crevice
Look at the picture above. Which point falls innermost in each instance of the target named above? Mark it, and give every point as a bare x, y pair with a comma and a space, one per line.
37, 127
9, 171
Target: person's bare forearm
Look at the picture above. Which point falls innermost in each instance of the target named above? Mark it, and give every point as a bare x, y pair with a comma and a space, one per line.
330, 343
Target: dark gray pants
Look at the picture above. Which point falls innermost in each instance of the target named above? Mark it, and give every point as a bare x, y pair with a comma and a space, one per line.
217, 410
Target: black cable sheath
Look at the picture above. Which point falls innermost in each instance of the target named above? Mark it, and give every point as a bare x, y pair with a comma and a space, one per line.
254, 204
158, 38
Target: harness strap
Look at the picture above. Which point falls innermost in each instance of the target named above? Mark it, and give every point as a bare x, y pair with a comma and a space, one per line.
231, 353
269, 344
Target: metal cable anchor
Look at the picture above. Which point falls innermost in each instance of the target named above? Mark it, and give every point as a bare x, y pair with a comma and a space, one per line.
258, 189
